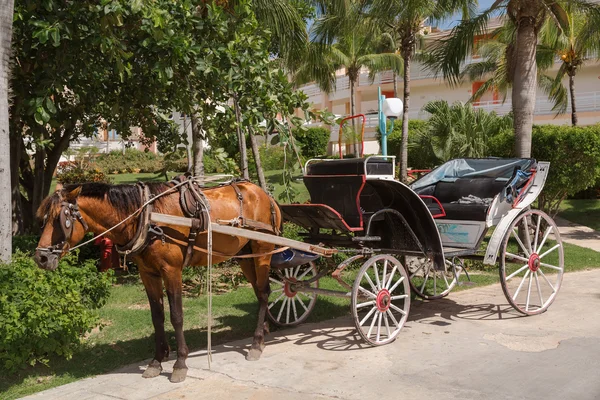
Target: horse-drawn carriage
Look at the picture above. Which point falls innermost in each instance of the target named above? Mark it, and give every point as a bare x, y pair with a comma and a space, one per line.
409, 239
414, 239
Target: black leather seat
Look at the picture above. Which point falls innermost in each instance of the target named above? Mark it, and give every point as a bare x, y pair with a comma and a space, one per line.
351, 166
448, 193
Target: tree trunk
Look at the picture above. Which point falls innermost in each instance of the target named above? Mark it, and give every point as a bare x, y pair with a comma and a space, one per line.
395, 84
261, 174
241, 140
18, 227
352, 112
404, 144
197, 147
572, 92
188, 148
6, 18
525, 79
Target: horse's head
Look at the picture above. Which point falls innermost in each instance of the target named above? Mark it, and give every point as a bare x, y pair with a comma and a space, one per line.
63, 227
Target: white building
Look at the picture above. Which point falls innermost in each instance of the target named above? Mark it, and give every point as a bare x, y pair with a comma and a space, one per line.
424, 88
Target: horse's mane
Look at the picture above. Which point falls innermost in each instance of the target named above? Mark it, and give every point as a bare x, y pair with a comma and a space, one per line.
125, 198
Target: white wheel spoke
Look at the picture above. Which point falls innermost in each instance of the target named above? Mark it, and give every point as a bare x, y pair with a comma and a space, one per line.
301, 303
372, 325
521, 285
515, 234
551, 266
297, 271
537, 233
539, 289
287, 310
541, 246
416, 270
277, 290
286, 272
400, 296
283, 304
434, 282
517, 271
367, 303
446, 280
362, 322
365, 291
425, 282
528, 294
527, 236
385, 263
378, 337
387, 325
401, 311
276, 281
547, 281
389, 313
399, 281
550, 250
368, 278
516, 257
304, 273
389, 282
377, 276
276, 300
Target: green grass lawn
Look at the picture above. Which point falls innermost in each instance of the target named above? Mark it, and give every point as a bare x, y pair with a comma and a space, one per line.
584, 212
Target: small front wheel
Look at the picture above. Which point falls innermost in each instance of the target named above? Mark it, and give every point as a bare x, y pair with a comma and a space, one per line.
288, 306
427, 282
532, 262
380, 299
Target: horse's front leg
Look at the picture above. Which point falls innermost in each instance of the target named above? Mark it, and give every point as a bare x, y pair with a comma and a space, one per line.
262, 290
174, 292
154, 290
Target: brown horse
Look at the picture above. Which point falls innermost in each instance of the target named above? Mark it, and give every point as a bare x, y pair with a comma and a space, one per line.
76, 209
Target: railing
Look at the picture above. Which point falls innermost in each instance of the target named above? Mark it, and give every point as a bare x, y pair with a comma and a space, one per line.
586, 101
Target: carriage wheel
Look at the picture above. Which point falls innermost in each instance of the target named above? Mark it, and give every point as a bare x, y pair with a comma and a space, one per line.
532, 266
287, 307
380, 299
427, 282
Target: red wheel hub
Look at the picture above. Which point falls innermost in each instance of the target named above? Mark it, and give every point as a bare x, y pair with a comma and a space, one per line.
534, 262
287, 289
383, 300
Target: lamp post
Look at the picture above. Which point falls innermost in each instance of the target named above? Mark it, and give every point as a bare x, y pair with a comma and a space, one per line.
388, 108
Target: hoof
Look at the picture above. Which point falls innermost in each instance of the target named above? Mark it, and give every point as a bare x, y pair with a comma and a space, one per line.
254, 355
154, 369
178, 375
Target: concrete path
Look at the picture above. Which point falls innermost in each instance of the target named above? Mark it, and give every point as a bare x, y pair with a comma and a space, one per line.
471, 345
579, 235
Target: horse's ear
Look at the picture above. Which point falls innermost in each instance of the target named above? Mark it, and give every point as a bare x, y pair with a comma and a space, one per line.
72, 195
59, 187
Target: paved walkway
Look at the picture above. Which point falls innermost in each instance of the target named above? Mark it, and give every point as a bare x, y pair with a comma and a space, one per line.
579, 235
471, 345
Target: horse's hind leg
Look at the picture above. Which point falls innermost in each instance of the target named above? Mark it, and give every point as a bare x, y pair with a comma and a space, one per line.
262, 289
154, 290
174, 292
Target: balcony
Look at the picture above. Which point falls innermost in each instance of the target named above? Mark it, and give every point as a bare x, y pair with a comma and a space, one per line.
585, 101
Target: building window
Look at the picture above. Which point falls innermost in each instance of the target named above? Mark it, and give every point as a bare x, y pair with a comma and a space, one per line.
113, 135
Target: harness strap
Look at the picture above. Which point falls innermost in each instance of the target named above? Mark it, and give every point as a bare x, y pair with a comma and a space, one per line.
240, 198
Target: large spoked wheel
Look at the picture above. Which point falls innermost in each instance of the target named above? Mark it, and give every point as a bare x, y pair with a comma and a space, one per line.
288, 307
532, 262
427, 282
380, 299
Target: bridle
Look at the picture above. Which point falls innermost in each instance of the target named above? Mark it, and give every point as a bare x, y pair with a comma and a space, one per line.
69, 212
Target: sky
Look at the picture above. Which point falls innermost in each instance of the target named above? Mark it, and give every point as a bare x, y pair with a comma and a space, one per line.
455, 19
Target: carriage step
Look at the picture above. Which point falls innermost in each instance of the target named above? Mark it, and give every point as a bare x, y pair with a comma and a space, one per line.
366, 238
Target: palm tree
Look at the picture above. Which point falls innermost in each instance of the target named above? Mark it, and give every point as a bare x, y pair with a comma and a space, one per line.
458, 130
343, 40
6, 19
406, 18
496, 58
528, 17
576, 45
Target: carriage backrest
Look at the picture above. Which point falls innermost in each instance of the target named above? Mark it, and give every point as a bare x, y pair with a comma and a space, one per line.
342, 193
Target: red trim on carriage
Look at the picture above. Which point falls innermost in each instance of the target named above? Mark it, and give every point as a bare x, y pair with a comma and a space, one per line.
442, 213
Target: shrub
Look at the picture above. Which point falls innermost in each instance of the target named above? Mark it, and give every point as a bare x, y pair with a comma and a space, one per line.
43, 313
420, 154
133, 161
573, 153
73, 172
28, 243
312, 141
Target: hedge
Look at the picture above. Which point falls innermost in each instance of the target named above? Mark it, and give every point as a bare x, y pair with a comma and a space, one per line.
313, 141
573, 153
44, 314
420, 155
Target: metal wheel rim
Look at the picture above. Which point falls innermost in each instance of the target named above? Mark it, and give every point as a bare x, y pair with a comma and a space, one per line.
376, 324
528, 287
429, 284
286, 311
